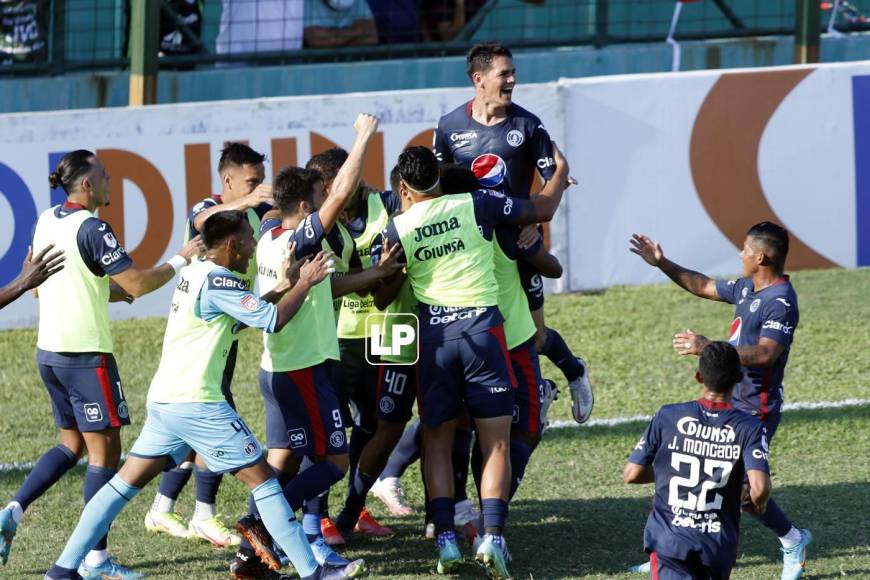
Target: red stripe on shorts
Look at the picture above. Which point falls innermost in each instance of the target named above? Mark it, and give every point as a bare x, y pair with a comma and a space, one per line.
498, 332
381, 369
524, 360
106, 388
654, 566
304, 380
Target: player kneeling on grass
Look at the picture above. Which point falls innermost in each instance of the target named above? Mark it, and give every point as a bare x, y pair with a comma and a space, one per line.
186, 409
697, 454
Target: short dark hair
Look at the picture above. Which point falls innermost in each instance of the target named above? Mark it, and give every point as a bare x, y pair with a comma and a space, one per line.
221, 225
773, 239
395, 178
294, 185
719, 366
238, 154
71, 169
480, 56
418, 167
328, 163
458, 179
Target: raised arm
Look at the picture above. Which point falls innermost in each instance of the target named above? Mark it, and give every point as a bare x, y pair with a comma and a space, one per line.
695, 282
347, 180
261, 194
547, 201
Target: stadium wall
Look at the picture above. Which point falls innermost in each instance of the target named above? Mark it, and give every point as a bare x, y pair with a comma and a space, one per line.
111, 88
692, 159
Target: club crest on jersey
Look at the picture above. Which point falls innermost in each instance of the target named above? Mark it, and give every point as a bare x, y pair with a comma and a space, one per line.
755, 304
250, 303
110, 240
734, 335
515, 138
489, 169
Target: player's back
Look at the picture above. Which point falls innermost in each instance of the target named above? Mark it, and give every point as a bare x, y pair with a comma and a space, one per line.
503, 157
702, 452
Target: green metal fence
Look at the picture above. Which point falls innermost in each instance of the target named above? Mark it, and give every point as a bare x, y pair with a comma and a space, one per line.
57, 36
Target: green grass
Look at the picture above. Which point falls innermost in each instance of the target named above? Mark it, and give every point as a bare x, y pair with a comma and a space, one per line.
573, 517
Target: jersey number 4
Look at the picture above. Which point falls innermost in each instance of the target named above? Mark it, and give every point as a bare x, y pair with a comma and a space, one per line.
716, 475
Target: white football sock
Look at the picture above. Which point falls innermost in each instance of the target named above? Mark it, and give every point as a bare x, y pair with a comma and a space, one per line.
163, 504
96, 558
203, 511
17, 512
791, 539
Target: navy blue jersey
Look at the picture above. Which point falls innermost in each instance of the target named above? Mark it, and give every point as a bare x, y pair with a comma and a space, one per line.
772, 313
699, 452
211, 202
309, 236
504, 157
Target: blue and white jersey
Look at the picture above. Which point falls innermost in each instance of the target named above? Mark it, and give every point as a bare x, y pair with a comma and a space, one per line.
699, 452
771, 313
504, 157
225, 293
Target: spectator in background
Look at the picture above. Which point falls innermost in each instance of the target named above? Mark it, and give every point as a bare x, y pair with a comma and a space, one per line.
443, 20
23, 26
398, 21
335, 23
172, 39
250, 26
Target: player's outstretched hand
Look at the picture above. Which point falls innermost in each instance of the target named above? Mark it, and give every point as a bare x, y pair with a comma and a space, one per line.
529, 236
316, 269
193, 249
389, 263
562, 165
648, 249
35, 271
366, 125
261, 194
690, 342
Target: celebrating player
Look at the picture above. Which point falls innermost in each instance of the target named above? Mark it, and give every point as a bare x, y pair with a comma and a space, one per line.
363, 219
764, 324
447, 242
34, 271
503, 144
302, 409
697, 453
74, 343
242, 189
186, 408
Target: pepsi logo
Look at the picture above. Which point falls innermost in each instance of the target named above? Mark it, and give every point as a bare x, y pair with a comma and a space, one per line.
489, 169
734, 334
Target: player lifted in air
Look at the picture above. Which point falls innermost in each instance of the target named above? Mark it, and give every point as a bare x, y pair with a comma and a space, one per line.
242, 189
186, 408
74, 343
504, 145
762, 331
697, 454
464, 364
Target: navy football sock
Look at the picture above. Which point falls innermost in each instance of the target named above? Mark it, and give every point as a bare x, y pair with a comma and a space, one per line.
775, 519
359, 438
461, 455
407, 451
560, 355
173, 481
50, 467
312, 482
520, 454
95, 478
360, 485
442, 510
207, 484
495, 512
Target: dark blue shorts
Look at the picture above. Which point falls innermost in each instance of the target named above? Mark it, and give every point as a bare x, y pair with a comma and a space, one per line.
87, 399
533, 284
527, 369
359, 387
667, 568
397, 390
472, 372
302, 412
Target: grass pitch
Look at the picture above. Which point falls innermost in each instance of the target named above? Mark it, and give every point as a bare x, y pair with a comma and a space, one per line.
573, 517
